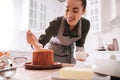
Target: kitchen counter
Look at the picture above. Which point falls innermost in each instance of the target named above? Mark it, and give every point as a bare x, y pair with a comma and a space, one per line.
26, 74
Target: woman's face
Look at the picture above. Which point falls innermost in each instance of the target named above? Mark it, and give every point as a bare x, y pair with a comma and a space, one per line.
73, 11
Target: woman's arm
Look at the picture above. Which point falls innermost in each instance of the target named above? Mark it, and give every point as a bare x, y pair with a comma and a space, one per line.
33, 41
51, 31
81, 41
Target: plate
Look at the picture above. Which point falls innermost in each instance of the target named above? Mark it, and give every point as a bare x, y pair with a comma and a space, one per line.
56, 65
56, 76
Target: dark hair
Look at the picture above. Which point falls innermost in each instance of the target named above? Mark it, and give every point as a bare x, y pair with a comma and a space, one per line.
84, 3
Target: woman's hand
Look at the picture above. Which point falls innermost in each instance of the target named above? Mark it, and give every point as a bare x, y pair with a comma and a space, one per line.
80, 56
82, 60
32, 40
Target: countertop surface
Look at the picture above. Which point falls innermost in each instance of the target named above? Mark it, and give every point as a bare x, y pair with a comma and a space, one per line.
27, 74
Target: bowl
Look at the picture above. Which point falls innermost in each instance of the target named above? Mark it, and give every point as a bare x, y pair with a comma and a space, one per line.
7, 72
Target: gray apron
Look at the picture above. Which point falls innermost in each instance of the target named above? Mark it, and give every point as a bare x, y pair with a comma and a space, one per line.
63, 46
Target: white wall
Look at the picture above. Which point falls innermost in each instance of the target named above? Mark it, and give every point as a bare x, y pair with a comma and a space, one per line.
118, 7
6, 24
55, 9
17, 13
106, 13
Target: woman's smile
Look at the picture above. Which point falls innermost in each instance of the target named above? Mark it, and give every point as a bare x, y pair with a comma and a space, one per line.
71, 19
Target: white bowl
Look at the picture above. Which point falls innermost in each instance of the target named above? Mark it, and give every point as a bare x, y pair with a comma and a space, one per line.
7, 72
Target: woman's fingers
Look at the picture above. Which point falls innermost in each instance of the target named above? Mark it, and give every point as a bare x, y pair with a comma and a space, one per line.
82, 60
30, 38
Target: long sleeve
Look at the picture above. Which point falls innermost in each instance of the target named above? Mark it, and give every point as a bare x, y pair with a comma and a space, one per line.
85, 30
51, 31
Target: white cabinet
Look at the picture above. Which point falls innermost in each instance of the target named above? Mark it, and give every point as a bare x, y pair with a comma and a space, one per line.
93, 14
99, 12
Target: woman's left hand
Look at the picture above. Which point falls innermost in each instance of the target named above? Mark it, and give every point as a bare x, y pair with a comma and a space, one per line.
82, 60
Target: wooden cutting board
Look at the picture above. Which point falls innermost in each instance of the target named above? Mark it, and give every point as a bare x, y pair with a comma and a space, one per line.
29, 65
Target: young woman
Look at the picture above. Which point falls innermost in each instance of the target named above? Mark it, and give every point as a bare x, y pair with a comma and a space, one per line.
64, 32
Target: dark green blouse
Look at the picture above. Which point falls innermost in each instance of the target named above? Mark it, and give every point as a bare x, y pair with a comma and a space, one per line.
53, 30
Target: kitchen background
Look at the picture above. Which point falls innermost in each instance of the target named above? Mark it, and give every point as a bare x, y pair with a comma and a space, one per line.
17, 16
